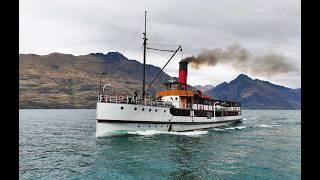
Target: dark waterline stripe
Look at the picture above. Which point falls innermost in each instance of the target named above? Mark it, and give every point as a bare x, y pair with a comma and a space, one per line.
161, 122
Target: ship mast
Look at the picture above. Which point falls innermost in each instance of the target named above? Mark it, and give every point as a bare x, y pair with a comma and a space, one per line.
144, 54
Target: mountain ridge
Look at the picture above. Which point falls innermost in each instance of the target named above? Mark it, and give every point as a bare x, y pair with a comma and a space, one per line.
60, 80
257, 94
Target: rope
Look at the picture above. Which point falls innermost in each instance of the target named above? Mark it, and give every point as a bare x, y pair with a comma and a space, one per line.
161, 49
134, 36
181, 54
148, 57
165, 44
155, 37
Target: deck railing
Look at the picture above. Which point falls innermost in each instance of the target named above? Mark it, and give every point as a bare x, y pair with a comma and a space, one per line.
129, 100
122, 99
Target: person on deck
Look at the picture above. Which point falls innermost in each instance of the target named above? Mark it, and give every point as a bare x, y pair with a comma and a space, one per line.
135, 94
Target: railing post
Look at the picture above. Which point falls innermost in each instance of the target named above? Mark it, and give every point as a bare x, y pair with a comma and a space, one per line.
214, 114
214, 111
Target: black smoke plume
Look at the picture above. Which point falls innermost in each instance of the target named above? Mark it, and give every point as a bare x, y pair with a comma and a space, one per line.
243, 60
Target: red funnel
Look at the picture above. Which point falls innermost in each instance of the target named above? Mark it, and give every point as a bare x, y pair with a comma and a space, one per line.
183, 72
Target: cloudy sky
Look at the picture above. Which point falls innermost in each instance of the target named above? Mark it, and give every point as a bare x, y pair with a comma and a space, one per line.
84, 26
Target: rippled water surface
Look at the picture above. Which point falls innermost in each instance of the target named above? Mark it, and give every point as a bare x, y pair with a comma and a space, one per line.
61, 144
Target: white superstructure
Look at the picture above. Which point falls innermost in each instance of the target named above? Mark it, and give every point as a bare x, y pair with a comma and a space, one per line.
115, 114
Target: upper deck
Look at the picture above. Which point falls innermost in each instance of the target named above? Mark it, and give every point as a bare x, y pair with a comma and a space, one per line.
175, 92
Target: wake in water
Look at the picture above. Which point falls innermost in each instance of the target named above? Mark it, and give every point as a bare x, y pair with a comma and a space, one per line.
246, 127
230, 128
196, 132
268, 125
154, 132
237, 127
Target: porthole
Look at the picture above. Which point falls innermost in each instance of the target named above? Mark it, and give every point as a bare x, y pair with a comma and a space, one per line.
167, 126
169, 120
161, 125
121, 107
135, 108
138, 126
149, 126
165, 110
155, 126
142, 109
149, 110
156, 110
176, 98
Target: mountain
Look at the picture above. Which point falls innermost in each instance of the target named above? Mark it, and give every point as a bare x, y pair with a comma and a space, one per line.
67, 81
257, 94
203, 88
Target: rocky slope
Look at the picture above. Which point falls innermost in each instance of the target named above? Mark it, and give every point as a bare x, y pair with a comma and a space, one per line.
204, 88
257, 94
66, 81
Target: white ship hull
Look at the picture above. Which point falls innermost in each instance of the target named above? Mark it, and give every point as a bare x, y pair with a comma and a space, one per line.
114, 118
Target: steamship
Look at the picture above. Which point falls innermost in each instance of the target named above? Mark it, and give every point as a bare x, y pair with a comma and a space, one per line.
178, 108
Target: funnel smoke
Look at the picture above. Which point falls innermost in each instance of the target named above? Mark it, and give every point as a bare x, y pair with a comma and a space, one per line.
240, 58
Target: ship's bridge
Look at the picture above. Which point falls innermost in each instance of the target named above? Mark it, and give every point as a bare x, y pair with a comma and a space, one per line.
178, 98
175, 92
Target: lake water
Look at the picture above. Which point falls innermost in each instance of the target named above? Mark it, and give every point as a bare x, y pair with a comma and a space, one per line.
61, 144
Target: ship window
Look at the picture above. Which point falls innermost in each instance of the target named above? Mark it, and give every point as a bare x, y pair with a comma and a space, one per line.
176, 98
161, 125
156, 110
138, 126
121, 107
142, 109
149, 110
135, 108
155, 126
149, 126
164, 110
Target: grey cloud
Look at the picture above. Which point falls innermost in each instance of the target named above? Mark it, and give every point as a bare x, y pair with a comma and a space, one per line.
78, 27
